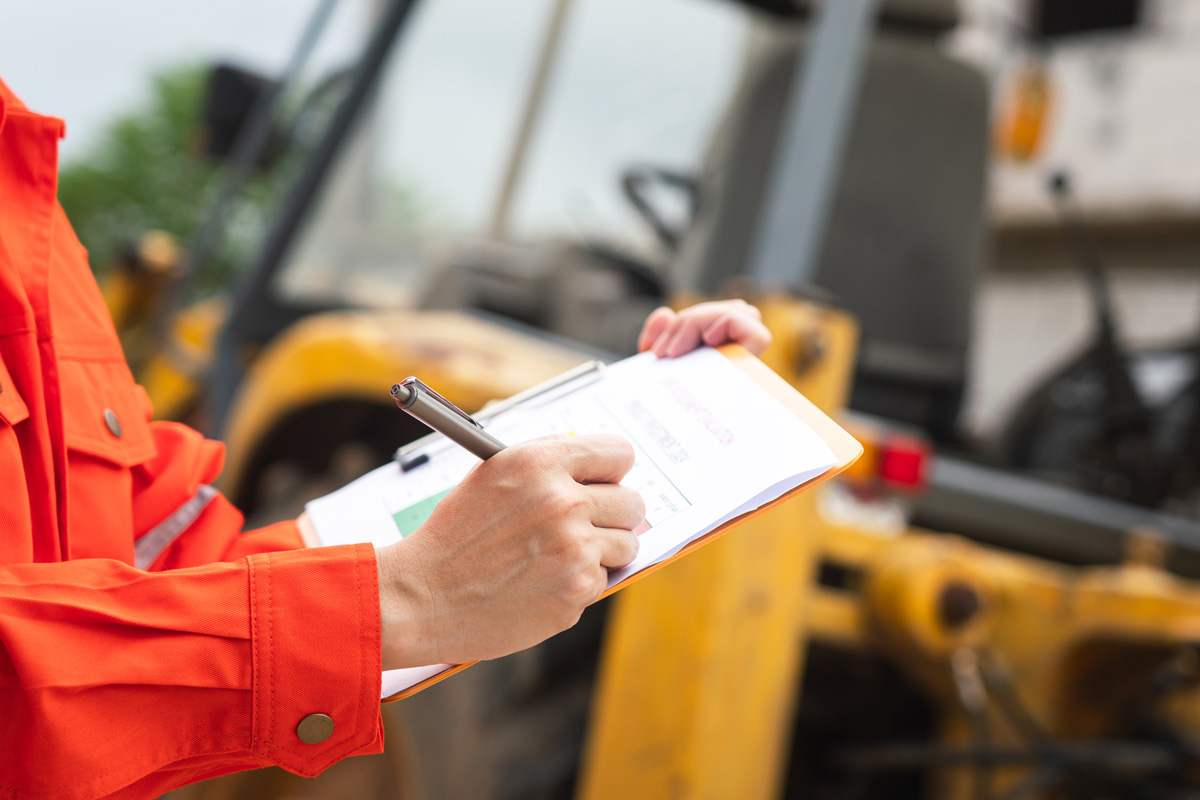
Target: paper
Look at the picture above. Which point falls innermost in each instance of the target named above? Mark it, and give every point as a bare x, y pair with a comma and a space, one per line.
709, 443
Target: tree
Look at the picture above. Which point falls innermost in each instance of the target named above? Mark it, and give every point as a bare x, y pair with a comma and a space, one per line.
145, 173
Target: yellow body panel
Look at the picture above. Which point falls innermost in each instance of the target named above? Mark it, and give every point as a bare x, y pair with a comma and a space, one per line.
170, 375
702, 661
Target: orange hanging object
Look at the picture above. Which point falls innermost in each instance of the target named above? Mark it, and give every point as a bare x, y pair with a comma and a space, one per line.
1022, 122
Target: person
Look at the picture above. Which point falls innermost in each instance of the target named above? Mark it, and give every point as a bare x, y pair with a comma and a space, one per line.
147, 641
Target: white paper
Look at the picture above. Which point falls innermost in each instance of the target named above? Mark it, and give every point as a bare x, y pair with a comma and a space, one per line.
710, 445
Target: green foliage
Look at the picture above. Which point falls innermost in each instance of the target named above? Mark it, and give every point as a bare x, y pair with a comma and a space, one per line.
145, 173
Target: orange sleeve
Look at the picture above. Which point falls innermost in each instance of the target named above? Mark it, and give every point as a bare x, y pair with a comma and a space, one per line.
119, 682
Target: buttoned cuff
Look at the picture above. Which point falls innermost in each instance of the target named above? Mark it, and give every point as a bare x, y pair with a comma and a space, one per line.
317, 656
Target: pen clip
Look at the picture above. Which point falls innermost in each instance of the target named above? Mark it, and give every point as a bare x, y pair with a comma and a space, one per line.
591, 371
417, 385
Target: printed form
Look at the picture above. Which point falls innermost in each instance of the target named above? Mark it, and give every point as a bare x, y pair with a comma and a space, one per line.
710, 444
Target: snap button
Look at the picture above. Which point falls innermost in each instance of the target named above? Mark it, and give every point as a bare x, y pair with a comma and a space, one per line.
315, 728
113, 424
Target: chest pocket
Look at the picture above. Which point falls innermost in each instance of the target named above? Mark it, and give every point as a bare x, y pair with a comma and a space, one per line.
106, 434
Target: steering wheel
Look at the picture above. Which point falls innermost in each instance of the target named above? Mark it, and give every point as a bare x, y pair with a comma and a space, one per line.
636, 180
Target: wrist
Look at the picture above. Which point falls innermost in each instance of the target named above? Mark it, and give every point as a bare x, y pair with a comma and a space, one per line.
404, 612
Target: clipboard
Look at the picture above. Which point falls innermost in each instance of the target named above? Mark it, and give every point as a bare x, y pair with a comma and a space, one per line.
845, 448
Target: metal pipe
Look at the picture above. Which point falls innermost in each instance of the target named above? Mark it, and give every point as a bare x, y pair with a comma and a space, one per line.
530, 114
249, 147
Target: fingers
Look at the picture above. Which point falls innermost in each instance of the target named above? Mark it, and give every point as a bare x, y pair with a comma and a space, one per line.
616, 506
597, 458
655, 326
618, 547
684, 337
669, 334
738, 327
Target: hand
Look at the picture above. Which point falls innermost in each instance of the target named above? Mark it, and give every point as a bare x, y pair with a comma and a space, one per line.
669, 334
512, 555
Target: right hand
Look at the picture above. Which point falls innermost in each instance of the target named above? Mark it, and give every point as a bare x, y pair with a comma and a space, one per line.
512, 555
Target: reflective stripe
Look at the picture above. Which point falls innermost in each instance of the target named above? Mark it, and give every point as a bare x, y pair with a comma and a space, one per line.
148, 548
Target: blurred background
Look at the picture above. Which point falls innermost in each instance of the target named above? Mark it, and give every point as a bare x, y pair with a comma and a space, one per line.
130, 78
974, 228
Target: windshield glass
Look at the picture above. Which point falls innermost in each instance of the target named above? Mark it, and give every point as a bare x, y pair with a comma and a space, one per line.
634, 82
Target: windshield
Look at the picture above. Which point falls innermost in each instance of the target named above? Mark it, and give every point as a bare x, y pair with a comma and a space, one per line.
634, 82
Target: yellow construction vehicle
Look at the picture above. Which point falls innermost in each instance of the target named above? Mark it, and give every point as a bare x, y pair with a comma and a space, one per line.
836, 647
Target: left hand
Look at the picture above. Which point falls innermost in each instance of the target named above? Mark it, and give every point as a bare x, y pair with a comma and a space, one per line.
670, 334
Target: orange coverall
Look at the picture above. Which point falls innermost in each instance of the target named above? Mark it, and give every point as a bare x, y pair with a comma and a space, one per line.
145, 642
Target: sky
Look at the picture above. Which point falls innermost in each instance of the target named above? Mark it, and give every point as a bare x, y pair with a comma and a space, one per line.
639, 81
455, 103
86, 61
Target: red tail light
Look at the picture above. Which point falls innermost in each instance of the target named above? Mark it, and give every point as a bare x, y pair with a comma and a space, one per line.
903, 462
890, 460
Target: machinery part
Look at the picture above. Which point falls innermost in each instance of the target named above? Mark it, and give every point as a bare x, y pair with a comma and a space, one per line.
634, 181
1067, 430
1081, 665
1089, 423
945, 607
530, 112
1035, 517
958, 604
801, 188
1137, 757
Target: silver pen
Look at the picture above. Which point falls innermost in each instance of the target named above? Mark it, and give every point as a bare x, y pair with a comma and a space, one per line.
446, 418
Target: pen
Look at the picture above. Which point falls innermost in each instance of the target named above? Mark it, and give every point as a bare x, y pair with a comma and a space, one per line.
446, 418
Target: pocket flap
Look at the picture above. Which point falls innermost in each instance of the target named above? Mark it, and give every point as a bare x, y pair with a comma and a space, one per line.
12, 406
103, 412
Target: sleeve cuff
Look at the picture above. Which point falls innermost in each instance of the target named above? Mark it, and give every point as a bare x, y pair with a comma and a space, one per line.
317, 656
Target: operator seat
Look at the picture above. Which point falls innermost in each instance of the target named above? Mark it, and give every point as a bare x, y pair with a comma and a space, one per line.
904, 241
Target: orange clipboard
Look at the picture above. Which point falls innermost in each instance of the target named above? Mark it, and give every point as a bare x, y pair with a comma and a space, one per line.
845, 448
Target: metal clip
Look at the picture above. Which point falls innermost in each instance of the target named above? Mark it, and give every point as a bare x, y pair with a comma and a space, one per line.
414, 384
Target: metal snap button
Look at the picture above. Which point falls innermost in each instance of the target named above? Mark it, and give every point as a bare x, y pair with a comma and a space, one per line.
315, 728
112, 423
